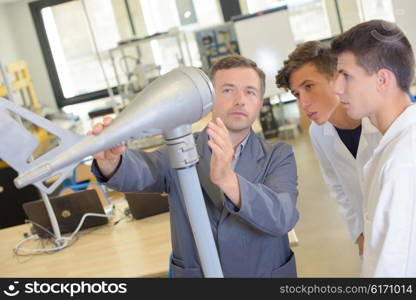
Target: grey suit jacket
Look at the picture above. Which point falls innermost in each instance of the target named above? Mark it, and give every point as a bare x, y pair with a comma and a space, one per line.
252, 241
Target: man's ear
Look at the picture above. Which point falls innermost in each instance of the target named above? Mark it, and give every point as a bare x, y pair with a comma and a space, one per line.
384, 79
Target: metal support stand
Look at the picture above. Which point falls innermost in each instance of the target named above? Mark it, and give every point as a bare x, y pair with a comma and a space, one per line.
183, 158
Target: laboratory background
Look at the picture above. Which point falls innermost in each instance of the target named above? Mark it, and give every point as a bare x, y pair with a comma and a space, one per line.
75, 62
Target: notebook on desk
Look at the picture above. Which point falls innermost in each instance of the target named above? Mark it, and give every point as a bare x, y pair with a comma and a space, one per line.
69, 210
143, 205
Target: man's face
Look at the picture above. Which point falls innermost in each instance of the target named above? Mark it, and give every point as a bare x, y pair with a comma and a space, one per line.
314, 92
356, 89
238, 98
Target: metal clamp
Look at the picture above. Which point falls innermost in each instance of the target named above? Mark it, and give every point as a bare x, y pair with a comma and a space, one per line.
181, 147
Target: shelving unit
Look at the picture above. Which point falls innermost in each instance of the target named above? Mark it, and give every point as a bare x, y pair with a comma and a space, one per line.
128, 60
216, 42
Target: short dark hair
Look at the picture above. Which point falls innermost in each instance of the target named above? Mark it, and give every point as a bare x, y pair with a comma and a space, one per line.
379, 44
314, 52
238, 61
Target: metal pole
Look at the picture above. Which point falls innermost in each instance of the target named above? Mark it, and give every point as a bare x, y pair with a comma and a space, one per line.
100, 61
183, 157
198, 217
341, 28
126, 4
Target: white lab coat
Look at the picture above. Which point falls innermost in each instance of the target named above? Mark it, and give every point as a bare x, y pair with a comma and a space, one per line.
390, 202
342, 172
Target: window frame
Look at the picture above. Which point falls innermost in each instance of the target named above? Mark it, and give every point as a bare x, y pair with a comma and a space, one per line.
61, 100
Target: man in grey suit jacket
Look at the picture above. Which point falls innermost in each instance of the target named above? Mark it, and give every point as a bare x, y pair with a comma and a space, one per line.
249, 185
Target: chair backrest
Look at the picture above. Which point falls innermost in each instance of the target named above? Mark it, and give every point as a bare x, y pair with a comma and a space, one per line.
22, 83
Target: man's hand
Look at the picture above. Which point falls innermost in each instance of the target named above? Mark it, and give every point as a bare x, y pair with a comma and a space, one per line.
109, 159
222, 173
360, 242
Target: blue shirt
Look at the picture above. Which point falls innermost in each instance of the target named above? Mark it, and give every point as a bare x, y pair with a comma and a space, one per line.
413, 98
238, 151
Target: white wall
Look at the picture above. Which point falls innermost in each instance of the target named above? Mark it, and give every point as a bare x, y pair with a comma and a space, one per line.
332, 17
350, 13
8, 51
26, 46
404, 12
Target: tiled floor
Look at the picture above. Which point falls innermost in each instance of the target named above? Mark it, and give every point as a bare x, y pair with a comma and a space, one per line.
325, 247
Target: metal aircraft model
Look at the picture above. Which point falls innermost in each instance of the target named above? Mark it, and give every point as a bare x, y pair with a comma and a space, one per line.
167, 106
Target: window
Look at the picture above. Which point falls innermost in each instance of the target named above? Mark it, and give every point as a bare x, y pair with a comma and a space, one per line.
328, 17
70, 31
68, 44
159, 18
254, 6
377, 9
299, 12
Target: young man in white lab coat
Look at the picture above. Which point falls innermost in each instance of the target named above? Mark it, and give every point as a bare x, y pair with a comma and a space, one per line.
375, 66
342, 145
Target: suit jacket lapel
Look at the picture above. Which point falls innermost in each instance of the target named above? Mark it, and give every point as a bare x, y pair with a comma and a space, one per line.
250, 165
203, 169
251, 162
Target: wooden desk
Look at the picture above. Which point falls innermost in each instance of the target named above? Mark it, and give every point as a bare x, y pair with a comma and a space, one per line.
138, 248
132, 248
